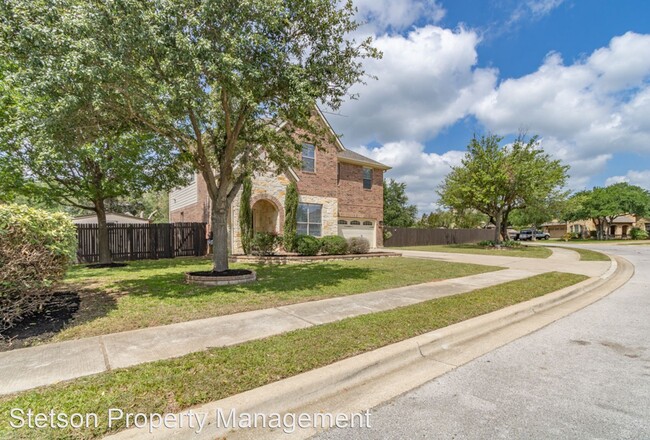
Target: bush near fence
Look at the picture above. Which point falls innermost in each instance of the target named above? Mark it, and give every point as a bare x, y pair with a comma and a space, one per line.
401, 237
144, 242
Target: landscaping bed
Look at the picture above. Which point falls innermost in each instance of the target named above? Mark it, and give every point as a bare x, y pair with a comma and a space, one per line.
176, 384
154, 292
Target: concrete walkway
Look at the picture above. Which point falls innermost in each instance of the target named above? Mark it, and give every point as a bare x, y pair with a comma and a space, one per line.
48, 364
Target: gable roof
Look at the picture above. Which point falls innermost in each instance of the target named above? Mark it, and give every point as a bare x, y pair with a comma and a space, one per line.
348, 156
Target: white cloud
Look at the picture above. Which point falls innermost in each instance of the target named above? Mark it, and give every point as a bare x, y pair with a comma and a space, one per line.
421, 171
598, 105
396, 15
533, 9
427, 81
585, 111
640, 178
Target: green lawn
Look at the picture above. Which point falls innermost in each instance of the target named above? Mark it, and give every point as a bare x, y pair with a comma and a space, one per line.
176, 384
150, 293
521, 251
599, 242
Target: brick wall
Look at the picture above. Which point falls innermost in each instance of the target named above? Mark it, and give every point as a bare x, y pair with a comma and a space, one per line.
357, 202
322, 182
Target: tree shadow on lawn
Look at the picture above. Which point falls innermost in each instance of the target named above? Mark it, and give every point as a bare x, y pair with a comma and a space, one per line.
81, 272
278, 280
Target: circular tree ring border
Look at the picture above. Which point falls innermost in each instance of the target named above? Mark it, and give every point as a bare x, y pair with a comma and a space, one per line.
219, 280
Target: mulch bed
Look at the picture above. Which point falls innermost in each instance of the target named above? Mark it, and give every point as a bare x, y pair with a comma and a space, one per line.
224, 273
43, 325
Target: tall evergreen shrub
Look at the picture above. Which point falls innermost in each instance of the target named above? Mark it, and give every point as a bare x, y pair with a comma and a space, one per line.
246, 216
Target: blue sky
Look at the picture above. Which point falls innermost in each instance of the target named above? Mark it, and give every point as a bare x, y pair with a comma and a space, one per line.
574, 72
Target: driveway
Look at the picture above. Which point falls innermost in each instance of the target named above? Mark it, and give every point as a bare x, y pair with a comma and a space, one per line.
585, 376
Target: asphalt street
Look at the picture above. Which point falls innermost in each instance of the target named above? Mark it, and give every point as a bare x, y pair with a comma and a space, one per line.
586, 376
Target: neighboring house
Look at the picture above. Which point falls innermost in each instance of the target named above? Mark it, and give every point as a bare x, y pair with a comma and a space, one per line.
111, 218
619, 228
340, 193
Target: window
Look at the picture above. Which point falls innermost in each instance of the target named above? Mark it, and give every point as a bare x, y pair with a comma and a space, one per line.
308, 158
367, 223
338, 173
367, 178
309, 219
343, 222
355, 222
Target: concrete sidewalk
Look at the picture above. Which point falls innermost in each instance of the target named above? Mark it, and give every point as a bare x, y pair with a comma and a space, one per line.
48, 364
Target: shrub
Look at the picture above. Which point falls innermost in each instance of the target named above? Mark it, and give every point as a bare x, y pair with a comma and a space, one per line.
568, 236
333, 245
264, 243
638, 234
36, 248
358, 245
486, 243
290, 217
511, 243
307, 245
246, 216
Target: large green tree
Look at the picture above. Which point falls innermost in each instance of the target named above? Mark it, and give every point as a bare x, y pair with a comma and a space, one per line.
603, 205
397, 211
216, 78
495, 179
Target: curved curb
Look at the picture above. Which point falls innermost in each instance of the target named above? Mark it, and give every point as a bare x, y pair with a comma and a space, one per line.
368, 379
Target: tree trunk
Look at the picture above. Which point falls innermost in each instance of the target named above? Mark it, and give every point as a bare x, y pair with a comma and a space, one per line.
105, 256
220, 234
497, 229
504, 227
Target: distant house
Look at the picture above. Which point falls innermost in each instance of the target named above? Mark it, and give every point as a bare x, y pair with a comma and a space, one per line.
619, 228
111, 218
340, 193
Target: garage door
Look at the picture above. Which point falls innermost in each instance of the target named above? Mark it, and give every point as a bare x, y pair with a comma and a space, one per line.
358, 228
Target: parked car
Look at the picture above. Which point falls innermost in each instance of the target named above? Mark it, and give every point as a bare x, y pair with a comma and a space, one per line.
513, 234
527, 234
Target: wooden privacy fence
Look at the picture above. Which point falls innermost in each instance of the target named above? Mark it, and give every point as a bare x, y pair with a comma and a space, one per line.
422, 237
142, 242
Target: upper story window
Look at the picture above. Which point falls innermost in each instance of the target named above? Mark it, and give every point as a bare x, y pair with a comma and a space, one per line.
309, 219
367, 178
308, 158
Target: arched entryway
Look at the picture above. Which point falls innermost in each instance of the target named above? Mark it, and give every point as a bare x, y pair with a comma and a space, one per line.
265, 216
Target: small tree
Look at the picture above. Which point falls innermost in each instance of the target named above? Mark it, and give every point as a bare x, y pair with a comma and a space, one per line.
88, 175
246, 216
290, 217
496, 180
397, 211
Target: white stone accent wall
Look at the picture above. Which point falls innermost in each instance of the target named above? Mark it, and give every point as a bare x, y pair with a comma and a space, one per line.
264, 185
330, 212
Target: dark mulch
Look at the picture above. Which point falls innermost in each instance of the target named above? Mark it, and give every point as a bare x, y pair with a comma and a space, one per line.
43, 325
224, 273
105, 265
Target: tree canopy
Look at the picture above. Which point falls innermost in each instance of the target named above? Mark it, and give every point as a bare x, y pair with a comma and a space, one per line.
216, 79
495, 179
603, 205
397, 211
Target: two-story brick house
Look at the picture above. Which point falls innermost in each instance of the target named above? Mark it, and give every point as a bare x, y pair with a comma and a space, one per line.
340, 193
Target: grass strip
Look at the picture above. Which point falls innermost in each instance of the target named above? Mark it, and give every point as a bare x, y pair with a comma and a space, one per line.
151, 293
172, 385
587, 255
519, 251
